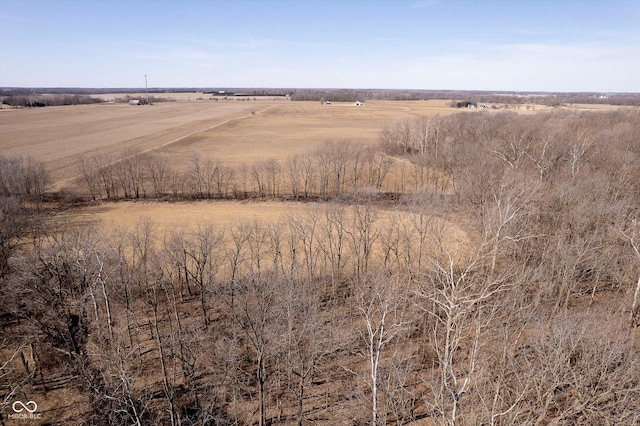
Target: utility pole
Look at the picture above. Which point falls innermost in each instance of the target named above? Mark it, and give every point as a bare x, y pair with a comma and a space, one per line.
146, 90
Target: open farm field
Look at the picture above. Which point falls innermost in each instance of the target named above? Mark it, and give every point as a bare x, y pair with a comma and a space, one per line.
230, 131
59, 136
294, 128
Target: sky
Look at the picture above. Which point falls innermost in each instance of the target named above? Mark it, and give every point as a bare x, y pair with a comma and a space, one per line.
514, 45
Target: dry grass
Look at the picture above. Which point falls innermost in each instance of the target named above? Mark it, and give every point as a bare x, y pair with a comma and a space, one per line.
224, 215
185, 214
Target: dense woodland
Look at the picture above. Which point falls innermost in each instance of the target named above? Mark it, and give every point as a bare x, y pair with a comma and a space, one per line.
478, 268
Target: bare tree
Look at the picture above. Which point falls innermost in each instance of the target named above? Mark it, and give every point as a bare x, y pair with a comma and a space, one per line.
159, 170
199, 254
307, 339
293, 173
90, 174
458, 297
380, 300
308, 170
306, 229
103, 164
236, 255
157, 310
134, 169
503, 383
120, 390
10, 176
378, 166
630, 234
14, 221
510, 202
397, 383
333, 240
257, 312
272, 174
546, 157
202, 176
582, 371
363, 235
576, 153
258, 244
258, 173
390, 237
224, 179
23, 178
324, 160
514, 145
419, 228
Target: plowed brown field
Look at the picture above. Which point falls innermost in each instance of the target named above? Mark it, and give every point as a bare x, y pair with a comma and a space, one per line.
229, 131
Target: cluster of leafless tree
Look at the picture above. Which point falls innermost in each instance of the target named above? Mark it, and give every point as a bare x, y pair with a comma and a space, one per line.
501, 290
563, 182
39, 100
333, 170
22, 178
142, 99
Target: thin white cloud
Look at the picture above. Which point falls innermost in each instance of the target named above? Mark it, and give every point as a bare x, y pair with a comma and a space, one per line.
535, 66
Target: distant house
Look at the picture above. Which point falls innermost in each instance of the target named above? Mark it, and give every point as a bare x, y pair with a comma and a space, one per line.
135, 102
465, 104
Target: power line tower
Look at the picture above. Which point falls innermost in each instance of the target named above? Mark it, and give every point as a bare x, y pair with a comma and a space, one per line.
146, 89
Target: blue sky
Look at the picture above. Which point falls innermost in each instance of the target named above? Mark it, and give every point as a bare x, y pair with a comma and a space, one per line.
520, 45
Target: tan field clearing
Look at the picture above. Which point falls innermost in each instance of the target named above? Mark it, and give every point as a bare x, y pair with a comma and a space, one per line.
223, 215
187, 214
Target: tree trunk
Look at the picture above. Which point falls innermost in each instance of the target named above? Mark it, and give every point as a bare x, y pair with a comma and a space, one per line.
261, 382
635, 307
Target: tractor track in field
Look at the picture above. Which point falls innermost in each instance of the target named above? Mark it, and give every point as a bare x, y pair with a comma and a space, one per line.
62, 183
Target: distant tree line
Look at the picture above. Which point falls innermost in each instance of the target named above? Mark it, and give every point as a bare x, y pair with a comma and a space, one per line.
477, 97
142, 99
40, 100
334, 170
352, 95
